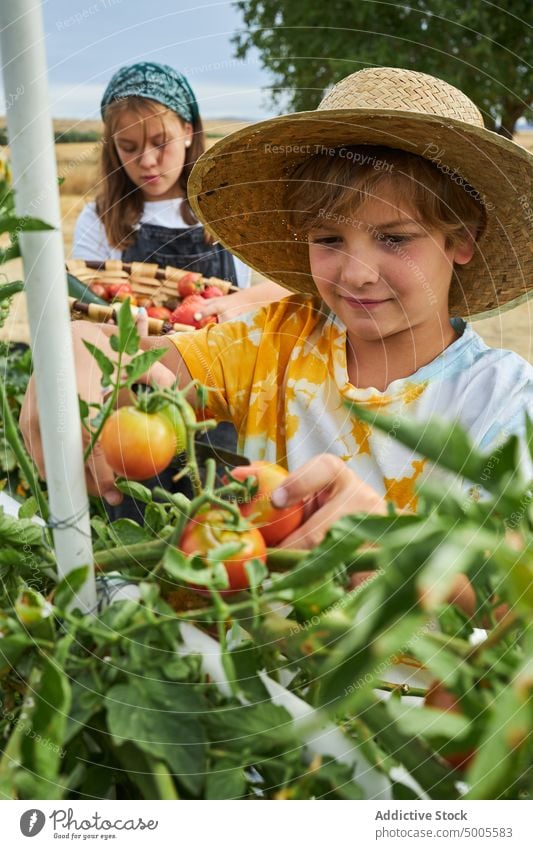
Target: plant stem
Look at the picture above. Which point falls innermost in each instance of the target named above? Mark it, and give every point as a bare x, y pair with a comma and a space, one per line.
139, 553
165, 787
24, 461
106, 409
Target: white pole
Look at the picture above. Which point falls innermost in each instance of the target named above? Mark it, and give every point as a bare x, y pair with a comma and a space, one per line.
36, 195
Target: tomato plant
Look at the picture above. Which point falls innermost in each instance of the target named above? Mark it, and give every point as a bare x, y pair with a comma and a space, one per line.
136, 444
210, 529
275, 524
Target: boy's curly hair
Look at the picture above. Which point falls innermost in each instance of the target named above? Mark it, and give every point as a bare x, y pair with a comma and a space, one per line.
340, 180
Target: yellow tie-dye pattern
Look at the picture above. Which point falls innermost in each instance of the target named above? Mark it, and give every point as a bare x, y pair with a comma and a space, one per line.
402, 491
282, 379
361, 432
412, 391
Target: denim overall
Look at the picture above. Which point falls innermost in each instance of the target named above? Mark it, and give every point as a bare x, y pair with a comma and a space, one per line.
182, 248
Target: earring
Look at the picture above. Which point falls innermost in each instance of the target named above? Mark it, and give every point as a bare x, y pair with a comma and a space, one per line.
188, 142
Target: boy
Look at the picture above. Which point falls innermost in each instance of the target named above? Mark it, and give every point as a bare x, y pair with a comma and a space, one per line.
394, 205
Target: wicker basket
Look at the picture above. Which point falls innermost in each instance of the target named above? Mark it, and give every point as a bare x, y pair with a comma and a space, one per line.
147, 280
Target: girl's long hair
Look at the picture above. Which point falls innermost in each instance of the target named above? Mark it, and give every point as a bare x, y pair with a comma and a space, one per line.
119, 202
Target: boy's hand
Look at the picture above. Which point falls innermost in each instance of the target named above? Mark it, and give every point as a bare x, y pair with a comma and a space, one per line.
331, 490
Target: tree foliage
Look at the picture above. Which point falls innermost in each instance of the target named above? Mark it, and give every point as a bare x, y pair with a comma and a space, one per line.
481, 47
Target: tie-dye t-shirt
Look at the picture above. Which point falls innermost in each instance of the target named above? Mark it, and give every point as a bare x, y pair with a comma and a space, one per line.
280, 374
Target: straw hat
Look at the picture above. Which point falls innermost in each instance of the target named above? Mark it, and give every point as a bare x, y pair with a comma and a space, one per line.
237, 188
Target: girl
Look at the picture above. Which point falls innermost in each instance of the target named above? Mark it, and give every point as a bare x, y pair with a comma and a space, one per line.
153, 135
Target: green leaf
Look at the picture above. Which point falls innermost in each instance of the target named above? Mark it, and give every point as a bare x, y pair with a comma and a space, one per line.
183, 570
12, 252
104, 363
223, 552
42, 746
19, 532
155, 518
427, 722
164, 720
141, 363
86, 701
509, 728
259, 727
11, 649
10, 289
337, 548
28, 508
256, 571
127, 329
128, 532
225, 781
69, 587
444, 663
84, 408
134, 490
13, 224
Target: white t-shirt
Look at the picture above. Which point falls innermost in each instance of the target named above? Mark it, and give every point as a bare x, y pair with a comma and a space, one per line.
90, 240
280, 374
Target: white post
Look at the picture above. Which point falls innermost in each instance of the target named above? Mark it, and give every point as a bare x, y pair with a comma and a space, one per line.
36, 195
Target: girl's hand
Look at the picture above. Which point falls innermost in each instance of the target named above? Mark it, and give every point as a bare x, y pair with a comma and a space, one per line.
331, 491
229, 306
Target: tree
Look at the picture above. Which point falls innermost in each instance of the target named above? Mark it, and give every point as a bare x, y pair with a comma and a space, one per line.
481, 47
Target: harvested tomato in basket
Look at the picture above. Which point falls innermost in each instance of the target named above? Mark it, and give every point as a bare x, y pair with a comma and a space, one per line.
162, 313
189, 284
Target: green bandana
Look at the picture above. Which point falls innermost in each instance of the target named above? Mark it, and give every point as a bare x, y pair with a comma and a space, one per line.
156, 82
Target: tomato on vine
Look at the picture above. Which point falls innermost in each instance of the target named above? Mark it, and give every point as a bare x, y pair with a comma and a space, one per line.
212, 528
136, 444
274, 523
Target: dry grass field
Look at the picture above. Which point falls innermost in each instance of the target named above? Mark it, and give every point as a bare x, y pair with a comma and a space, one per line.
78, 165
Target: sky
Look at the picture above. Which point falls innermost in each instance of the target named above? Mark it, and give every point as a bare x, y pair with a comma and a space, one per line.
87, 40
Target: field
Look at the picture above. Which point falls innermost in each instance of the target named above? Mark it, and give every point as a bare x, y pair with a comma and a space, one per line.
77, 164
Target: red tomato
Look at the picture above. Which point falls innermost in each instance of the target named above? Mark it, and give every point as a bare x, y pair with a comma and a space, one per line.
120, 293
99, 290
212, 292
189, 285
275, 524
159, 312
138, 445
438, 697
212, 528
188, 311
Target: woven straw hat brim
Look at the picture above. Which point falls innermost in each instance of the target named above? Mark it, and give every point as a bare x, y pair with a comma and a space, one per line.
237, 190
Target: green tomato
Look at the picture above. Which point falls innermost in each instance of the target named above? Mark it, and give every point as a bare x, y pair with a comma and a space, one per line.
173, 415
